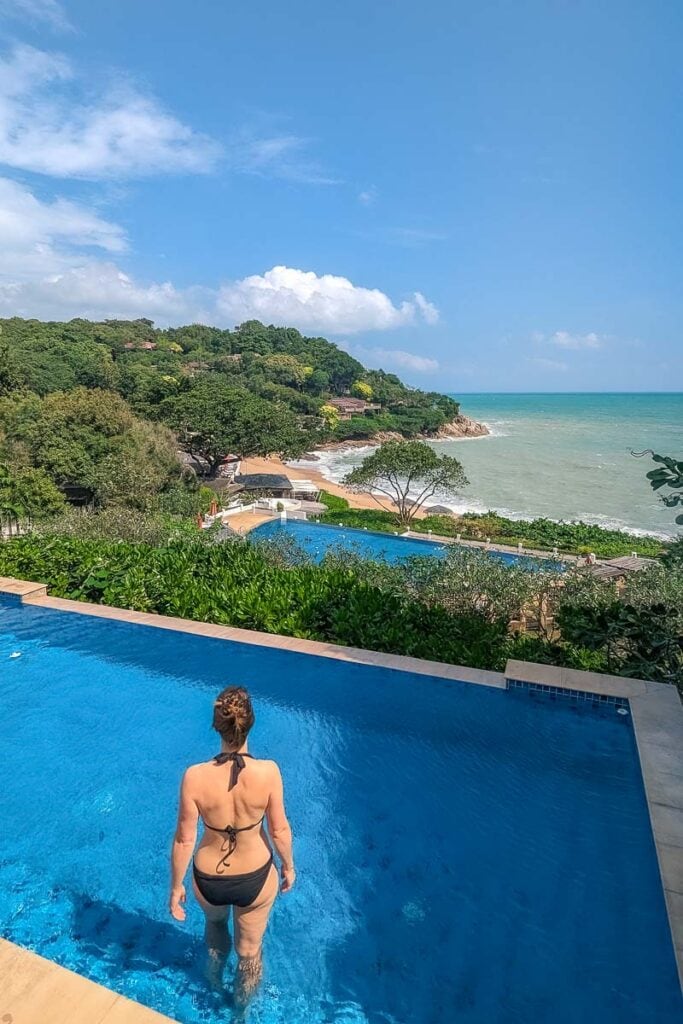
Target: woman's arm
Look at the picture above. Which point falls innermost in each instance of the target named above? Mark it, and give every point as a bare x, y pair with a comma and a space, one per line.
183, 846
280, 831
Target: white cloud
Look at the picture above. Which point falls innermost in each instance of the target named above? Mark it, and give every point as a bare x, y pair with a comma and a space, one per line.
282, 156
550, 364
50, 268
98, 288
39, 238
368, 196
48, 125
563, 339
382, 358
43, 12
318, 303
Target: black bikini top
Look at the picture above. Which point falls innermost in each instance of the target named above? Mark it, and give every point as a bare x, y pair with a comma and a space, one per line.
230, 831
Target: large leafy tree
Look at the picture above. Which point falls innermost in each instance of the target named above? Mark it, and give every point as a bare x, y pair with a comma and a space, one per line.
10, 377
408, 473
27, 494
89, 439
213, 418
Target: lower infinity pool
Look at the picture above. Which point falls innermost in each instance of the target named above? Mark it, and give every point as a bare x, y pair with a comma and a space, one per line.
465, 853
317, 538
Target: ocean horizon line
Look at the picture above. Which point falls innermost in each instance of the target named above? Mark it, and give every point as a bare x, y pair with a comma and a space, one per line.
676, 391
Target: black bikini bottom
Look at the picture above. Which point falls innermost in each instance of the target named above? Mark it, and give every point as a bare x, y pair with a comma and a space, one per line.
232, 890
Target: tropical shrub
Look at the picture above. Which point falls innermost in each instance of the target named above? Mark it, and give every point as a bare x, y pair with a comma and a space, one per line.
645, 642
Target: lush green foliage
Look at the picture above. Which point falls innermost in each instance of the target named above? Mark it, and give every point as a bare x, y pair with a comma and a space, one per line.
644, 642
544, 534
213, 418
117, 524
397, 467
88, 439
150, 367
27, 494
579, 538
669, 473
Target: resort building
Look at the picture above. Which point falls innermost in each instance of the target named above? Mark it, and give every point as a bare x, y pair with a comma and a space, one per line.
348, 407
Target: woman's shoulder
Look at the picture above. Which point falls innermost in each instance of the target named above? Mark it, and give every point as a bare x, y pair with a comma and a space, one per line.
265, 766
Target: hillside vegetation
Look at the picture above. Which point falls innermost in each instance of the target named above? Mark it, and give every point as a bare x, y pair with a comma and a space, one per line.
149, 368
101, 409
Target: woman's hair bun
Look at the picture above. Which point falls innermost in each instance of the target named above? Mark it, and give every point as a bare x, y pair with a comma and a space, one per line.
233, 715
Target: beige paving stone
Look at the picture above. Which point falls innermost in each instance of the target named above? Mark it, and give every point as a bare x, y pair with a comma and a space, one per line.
658, 719
34, 990
596, 682
530, 672
671, 865
21, 588
663, 787
667, 823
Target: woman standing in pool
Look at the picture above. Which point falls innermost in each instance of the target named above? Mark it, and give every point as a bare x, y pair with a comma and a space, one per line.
233, 867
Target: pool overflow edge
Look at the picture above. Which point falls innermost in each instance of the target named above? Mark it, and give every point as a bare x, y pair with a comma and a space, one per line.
655, 708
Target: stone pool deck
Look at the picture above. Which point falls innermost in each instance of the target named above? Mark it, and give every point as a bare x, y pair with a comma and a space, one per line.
37, 991
49, 994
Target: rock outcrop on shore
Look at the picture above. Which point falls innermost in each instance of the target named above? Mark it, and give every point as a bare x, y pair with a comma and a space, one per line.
461, 426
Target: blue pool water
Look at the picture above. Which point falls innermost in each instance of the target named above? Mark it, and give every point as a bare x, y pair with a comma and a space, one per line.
317, 538
465, 853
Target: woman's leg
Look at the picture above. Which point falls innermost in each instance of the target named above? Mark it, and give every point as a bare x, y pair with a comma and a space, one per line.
250, 925
216, 936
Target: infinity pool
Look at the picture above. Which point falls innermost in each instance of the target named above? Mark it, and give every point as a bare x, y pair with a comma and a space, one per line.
317, 538
465, 854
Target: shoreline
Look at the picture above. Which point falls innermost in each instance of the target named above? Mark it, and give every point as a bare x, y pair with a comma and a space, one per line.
310, 470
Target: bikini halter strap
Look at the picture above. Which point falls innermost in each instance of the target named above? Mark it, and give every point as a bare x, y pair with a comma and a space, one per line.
237, 764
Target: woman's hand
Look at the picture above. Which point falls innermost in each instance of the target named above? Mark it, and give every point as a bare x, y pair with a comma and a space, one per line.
288, 878
175, 903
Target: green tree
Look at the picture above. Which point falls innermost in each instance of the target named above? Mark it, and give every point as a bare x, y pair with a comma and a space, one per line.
89, 439
408, 473
214, 418
285, 369
27, 494
10, 377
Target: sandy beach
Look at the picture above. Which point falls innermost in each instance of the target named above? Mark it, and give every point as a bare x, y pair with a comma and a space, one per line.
271, 464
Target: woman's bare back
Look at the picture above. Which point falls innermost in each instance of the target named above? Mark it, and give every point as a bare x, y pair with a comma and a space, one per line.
241, 807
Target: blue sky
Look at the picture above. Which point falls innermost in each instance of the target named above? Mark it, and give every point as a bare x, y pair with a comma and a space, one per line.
477, 196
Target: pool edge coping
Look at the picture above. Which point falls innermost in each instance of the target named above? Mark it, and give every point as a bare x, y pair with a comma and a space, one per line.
33, 983
656, 710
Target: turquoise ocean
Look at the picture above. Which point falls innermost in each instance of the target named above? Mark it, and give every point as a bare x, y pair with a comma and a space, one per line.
564, 456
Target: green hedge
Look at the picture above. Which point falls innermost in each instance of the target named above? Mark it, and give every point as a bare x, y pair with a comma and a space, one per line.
544, 534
